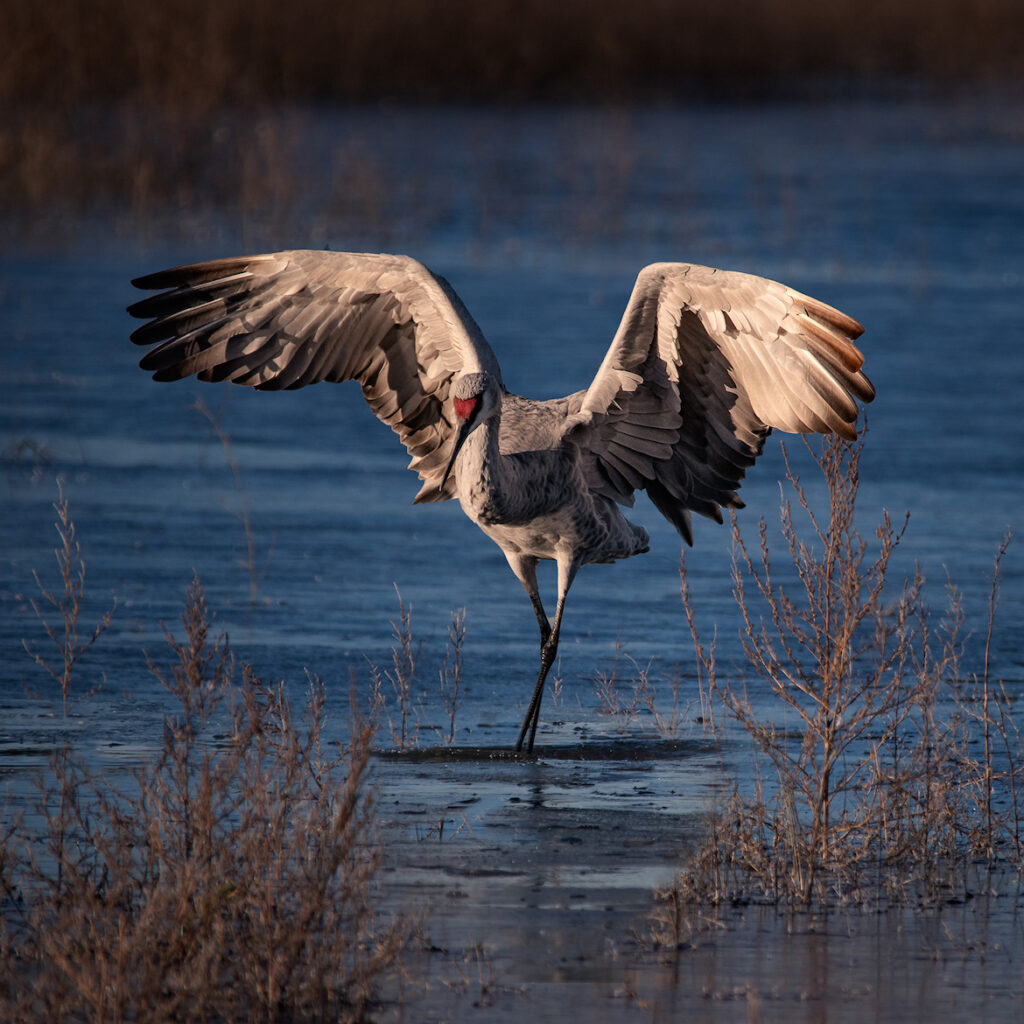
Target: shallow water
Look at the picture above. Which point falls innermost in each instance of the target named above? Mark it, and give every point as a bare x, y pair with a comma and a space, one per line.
909, 216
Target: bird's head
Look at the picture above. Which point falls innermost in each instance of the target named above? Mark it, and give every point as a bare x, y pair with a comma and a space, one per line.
476, 397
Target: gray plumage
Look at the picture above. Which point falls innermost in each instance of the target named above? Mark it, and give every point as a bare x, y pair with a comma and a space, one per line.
704, 364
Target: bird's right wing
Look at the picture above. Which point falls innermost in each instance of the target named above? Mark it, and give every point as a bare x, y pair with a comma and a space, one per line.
704, 364
288, 319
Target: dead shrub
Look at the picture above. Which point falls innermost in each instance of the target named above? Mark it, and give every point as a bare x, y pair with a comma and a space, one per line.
868, 785
231, 879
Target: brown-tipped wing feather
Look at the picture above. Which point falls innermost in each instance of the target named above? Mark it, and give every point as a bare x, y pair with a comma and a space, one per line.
704, 364
289, 319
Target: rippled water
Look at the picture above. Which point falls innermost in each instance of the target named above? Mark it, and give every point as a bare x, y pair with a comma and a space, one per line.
910, 217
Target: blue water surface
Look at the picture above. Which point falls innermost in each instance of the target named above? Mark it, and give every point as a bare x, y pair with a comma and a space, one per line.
907, 215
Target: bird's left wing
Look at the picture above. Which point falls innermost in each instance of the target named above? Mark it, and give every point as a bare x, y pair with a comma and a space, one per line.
704, 363
288, 319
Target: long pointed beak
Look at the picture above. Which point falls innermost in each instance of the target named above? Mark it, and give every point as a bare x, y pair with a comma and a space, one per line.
464, 431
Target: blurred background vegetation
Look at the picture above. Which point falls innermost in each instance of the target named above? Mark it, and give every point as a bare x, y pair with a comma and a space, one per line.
188, 54
152, 104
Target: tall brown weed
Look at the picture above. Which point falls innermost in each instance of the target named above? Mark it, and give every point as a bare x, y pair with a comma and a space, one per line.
232, 879
869, 784
67, 601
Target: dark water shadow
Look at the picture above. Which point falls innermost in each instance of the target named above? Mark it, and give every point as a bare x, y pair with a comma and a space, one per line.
630, 750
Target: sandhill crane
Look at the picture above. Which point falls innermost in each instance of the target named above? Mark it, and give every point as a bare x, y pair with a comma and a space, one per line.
704, 364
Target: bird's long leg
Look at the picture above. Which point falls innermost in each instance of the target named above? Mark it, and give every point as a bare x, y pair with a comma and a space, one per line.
546, 660
548, 649
525, 568
548, 652
542, 618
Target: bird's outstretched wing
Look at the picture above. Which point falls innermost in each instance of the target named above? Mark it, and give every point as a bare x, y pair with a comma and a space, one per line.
288, 319
703, 365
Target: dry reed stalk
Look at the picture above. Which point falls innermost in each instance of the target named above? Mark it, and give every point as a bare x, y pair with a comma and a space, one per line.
451, 671
704, 659
68, 602
395, 687
402, 676
983, 705
249, 562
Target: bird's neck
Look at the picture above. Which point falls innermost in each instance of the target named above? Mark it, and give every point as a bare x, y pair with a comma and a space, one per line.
480, 453
478, 472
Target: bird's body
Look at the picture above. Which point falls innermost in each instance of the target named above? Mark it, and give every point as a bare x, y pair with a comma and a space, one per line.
523, 485
704, 364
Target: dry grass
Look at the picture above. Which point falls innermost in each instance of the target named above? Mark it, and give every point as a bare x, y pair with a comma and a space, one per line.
393, 692
400, 680
68, 603
883, 776
451, 672
633, 700
233, 879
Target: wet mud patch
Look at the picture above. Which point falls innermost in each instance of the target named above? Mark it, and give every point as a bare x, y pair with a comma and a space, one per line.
544, 862
535, 878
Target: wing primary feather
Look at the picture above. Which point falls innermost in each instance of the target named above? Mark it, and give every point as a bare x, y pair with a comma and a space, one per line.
199, 273
289, 319
190, 296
